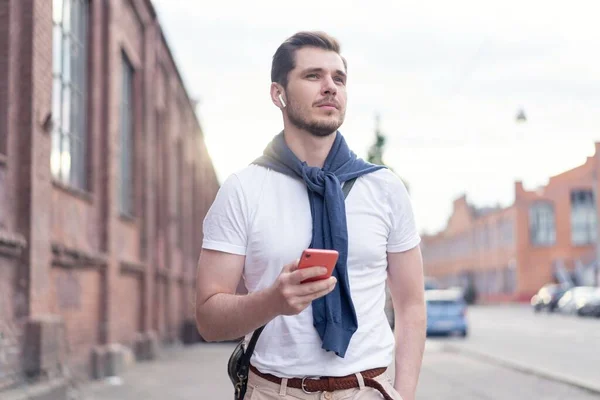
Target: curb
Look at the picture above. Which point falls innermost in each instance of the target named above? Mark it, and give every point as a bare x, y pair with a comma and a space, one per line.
518, 366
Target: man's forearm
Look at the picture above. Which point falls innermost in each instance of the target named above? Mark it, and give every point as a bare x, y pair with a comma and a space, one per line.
410, 331
228, 316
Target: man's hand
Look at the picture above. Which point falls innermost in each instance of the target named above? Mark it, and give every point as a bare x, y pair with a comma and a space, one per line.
292, 296
221, 314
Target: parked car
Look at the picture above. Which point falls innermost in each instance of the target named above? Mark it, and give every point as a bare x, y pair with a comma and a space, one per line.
548, 296
576, 298
446, 312
591, 306
430, 284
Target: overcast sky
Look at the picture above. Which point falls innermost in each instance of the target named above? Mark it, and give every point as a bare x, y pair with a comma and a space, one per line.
447, 78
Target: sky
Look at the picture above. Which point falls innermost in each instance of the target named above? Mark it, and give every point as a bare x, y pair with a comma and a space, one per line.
446, 78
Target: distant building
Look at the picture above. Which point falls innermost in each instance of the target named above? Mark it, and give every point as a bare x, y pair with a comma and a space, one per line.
104, 182
546, 235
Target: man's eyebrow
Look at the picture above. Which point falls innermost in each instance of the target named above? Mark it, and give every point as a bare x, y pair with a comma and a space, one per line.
317, 69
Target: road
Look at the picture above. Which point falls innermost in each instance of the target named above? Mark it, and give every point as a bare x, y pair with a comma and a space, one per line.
447, 375
559, 345
198, 372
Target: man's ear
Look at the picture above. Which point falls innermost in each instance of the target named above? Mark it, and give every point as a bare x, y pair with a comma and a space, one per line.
278, 95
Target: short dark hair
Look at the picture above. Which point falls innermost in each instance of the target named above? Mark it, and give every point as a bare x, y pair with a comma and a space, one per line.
284, 57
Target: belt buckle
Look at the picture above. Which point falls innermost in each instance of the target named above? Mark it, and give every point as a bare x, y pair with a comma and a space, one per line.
303, 383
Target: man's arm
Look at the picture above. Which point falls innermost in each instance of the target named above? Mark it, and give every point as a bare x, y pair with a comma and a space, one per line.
220, 313
406, 284
223, 315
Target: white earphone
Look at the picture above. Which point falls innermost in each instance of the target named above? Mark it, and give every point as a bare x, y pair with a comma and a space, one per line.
281, 100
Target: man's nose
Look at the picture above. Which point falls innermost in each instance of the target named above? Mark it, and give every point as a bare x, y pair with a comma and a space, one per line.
329, 86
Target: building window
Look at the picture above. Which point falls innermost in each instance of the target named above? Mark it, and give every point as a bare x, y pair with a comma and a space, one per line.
542, 227
69, 99
506, 232
583, 217
126, 136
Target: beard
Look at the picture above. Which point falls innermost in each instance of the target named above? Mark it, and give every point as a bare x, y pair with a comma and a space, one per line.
298, 117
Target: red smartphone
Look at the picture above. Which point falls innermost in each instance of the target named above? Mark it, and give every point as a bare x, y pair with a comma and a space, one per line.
318, 258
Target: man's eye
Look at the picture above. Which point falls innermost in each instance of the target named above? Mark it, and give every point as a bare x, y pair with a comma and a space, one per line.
340, 79
312, 76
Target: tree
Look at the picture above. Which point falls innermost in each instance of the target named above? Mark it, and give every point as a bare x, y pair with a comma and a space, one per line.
375, 154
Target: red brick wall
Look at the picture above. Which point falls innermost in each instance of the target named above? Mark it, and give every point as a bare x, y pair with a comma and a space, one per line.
471, 242
13, 297
535, 262
161, 308
478, 246
74, 220
130, 299
10, 327
108, 276
76, 295
4, 197
4, 79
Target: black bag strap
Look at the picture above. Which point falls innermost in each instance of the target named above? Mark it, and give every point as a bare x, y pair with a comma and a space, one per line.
252, 344
347, 186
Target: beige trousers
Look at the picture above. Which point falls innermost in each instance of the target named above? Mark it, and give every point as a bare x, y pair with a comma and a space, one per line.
262, 389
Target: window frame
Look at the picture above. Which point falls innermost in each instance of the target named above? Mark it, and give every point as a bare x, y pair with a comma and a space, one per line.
534, 207
588, 218
127, 140
70, 99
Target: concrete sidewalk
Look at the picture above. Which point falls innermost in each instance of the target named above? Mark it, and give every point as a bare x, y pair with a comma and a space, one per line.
180, 373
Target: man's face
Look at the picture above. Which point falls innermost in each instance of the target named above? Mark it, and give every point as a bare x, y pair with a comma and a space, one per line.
316, 91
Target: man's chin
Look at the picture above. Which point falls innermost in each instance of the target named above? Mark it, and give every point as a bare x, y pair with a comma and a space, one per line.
328, 124
323, 130
319, 127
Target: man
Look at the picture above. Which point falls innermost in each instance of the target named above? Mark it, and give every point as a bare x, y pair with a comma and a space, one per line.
330, 338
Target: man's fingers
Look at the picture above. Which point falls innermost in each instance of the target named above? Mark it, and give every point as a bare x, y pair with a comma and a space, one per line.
291, 267
310, 288
300, 275
320, 293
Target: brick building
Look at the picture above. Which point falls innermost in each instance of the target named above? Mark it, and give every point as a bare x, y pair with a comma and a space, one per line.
546, 235
104, 182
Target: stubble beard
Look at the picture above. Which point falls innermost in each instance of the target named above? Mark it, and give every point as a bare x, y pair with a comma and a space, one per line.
315, 127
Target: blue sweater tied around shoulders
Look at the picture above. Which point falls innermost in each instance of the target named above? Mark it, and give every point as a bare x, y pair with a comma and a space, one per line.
334, 316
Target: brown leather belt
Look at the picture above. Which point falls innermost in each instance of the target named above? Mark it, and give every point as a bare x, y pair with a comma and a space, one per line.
330, 384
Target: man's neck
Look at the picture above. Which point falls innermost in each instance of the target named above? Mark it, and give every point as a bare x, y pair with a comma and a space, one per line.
308, 147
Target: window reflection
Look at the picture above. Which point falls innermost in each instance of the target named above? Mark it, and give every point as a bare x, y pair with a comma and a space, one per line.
57, 9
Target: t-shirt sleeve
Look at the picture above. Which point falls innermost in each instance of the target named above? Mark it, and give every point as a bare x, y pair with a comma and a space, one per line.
403, 234
225, 225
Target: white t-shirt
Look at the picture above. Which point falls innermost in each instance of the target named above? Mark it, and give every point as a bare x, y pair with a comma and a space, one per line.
265, 215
